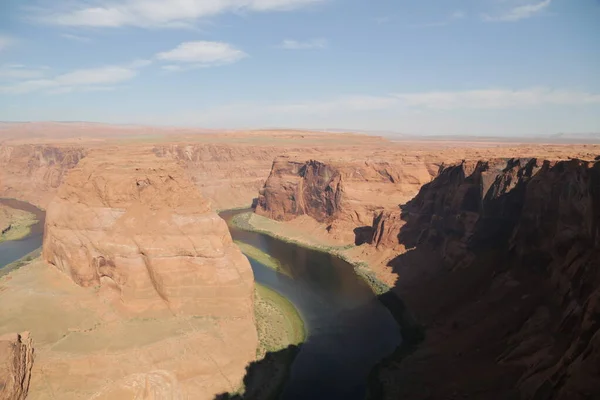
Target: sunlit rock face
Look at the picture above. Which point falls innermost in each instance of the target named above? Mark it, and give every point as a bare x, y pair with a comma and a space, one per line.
138, 229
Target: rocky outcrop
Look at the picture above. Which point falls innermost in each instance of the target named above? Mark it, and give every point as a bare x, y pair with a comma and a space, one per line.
229, 175
345, 196
34, 172
511, 250
136, 228
16, 360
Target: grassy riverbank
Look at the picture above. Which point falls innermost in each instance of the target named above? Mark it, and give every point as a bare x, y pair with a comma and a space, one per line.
258, 255
26, 259
278, 323
256, 223
15, 224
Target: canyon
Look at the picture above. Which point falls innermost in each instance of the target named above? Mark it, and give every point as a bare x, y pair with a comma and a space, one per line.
492, 247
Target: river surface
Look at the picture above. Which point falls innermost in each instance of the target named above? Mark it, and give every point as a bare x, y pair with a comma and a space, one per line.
12, 250
349, 330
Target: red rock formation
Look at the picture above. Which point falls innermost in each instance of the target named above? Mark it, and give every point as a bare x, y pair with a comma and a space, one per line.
346, 195
34, 172
136, 227
510, 250
16, 360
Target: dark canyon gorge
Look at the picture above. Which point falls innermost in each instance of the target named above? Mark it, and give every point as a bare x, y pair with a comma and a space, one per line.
487, 256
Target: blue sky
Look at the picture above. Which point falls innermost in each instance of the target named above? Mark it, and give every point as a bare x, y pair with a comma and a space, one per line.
489, 67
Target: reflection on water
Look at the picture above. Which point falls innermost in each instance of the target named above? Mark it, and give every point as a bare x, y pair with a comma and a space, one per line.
349, 330
12, 250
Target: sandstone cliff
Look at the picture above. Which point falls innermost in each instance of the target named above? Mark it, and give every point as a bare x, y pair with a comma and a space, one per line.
16, 360
139, 230
502, 268
33, 172
227, 174
343, 195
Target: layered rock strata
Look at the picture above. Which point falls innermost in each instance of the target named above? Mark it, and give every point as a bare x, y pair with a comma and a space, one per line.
345, 196
141, 232
33, 173
16, 360
510, 249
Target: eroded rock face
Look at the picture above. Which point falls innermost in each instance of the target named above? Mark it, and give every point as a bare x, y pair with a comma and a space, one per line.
515, 250
34, 172
16, 360
346, 196
138, 229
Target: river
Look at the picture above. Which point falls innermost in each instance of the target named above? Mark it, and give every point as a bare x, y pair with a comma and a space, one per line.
12, 250
349, 330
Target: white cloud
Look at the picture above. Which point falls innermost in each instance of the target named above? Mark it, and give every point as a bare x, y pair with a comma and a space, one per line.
357, 104
90, 79
303, 45
455, 16
157, 13
497, 99
76, 38
6, 42
201, 54
520, 12
16, 72
458, 14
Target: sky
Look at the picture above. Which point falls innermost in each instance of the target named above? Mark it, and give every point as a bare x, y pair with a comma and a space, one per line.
437, 67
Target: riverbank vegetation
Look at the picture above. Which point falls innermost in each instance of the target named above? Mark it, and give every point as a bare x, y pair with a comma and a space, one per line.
278, 323
15, 224
258, 255
252, 222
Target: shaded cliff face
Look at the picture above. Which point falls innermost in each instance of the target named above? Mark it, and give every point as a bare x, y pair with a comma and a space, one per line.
512, 252
345, 196
34, 172
294, 188
141, 232
16, 360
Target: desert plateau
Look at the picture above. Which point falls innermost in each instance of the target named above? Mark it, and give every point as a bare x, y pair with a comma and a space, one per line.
142, 292
299, 200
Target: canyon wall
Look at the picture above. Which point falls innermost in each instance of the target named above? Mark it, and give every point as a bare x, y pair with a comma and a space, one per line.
16, 360
33, 173
343, 195
141, 232
227, 174
511, 250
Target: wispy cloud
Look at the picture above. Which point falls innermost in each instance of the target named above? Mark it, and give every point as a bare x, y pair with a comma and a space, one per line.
520, 12
454, 16
76, 38
201, 54
12, 72
6, 41
156, 13
354, 105
89, 79
289, 44
497, 98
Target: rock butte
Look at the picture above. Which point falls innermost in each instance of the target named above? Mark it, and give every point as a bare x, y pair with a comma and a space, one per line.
500, 239
138, 228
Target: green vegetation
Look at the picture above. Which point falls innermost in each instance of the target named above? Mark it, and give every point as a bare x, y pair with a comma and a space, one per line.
256, 223
278, 322
258, 255
21, 262
20, 225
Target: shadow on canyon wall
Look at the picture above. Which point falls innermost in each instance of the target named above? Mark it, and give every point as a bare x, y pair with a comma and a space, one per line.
265, 378
503, 271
